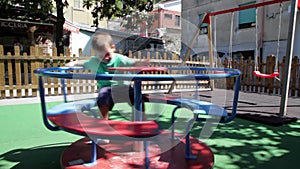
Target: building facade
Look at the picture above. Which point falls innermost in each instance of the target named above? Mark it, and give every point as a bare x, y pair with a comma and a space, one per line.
24, 34
242, 31
163, 23
166, 24
78, 27
167, 14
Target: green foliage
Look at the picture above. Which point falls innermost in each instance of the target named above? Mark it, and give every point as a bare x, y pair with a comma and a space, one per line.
133, 20
116, 8
41, 10
26, 9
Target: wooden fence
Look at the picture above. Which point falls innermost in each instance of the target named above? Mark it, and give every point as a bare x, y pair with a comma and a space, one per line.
20, 81
251, 83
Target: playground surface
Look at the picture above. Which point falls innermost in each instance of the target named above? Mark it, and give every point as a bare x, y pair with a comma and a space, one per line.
262, 108
26, 143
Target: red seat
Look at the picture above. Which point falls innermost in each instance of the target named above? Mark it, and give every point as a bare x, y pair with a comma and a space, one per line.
83, 124
259, 74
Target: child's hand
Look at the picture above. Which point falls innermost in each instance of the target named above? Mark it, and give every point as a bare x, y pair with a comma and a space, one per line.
145, 62
75, 63
70, 64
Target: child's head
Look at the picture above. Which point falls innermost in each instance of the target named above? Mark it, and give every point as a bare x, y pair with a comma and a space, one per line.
102, 44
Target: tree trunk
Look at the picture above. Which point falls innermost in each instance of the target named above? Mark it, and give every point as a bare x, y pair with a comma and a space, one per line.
59, 27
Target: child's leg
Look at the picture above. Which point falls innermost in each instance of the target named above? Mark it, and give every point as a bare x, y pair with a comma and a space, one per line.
104, 102
104, 110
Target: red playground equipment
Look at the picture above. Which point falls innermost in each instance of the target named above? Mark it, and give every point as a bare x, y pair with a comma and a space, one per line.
134, 144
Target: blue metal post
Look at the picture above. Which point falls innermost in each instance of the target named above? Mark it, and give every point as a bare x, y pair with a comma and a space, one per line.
43, 104
138, 114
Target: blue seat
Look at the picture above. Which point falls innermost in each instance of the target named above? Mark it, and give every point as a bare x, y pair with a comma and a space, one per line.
213, 112
71, 107
199, 107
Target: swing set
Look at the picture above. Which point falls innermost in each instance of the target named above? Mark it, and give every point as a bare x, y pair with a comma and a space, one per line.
207, 20
256, 72
295, 7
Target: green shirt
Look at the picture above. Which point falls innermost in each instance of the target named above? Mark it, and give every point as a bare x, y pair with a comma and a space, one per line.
99, 67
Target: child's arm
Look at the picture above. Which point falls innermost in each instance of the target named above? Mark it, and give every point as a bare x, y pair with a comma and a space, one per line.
142, 63
75, 63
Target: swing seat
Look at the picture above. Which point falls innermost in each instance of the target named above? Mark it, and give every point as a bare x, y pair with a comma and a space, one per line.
259, 74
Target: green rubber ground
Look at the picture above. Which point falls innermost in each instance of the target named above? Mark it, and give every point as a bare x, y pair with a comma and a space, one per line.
26, 144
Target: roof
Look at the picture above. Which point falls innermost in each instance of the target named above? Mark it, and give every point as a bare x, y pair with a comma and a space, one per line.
172, 5
136, 43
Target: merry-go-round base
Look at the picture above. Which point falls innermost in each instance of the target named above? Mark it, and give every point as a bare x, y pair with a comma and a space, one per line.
119, 154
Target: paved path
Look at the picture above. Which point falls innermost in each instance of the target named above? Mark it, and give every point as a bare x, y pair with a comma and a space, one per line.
30, 100
253, 102
248, 102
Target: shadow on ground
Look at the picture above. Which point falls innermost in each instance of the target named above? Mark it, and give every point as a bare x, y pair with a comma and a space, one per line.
46, 156
245, 144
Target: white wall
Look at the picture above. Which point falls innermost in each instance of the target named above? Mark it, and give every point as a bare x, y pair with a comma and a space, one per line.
172, 5
81, 40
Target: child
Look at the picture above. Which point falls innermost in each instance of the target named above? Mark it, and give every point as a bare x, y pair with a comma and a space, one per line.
110, 91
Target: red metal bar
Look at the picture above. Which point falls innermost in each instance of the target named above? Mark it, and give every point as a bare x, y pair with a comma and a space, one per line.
207, 17
246, 7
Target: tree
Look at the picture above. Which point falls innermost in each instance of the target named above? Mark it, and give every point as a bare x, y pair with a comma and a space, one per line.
116, 8
37, 10
133, 21
59, 41
31, 10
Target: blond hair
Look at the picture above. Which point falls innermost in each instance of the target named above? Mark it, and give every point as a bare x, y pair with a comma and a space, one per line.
101, 40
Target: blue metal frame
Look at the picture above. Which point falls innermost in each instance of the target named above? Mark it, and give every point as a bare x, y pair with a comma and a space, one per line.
61, 72
43, 104
56, 72
224, 119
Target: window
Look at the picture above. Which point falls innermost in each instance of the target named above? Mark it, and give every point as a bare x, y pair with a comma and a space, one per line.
204, 26
168, 16
78, 4
247, 17
177, 20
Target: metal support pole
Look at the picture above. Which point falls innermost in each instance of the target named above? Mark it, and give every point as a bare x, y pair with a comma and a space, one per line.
209, 32
289, 54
